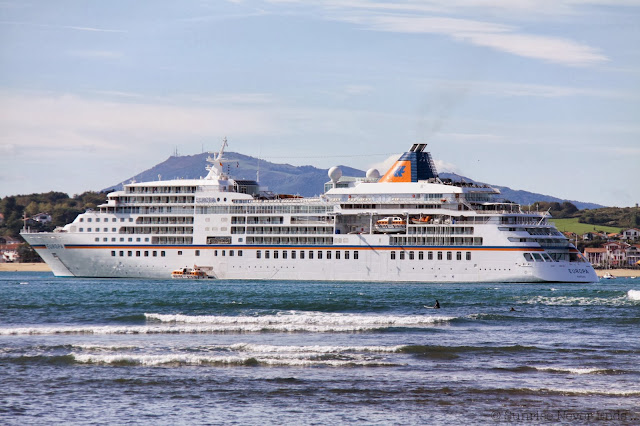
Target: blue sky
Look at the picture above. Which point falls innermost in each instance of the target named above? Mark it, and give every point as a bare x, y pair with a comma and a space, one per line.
540, 95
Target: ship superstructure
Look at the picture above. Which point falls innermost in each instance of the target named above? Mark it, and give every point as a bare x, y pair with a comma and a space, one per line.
407, 225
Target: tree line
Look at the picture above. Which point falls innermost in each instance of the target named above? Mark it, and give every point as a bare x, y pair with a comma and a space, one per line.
62, 208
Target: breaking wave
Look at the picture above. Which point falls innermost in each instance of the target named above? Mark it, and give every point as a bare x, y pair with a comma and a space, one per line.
286, 322
633, 294
282, 359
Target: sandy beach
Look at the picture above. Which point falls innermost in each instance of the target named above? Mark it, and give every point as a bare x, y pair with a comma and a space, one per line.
24, 267
619, 272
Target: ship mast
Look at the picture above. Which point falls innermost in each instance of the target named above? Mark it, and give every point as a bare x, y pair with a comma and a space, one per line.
216, 170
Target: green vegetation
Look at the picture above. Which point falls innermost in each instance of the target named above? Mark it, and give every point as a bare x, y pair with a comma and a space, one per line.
573, 225
62, 208
608, 219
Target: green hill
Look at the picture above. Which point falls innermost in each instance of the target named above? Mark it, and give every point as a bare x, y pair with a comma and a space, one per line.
573, 225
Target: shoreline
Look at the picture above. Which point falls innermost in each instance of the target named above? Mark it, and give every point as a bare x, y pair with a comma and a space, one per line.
43, 267
621, 273
24, 267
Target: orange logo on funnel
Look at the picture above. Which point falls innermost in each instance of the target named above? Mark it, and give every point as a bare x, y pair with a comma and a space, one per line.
400, 172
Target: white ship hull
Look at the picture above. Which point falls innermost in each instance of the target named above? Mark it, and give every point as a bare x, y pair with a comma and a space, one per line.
450, 233
487, 264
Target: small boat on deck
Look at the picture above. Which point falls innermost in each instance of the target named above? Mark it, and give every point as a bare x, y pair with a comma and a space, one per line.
391, 224
422, 220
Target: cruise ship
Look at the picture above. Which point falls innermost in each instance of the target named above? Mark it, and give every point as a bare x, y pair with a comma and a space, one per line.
407, 225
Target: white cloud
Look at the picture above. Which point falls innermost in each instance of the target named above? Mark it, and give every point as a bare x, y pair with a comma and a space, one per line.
451, 19
443, 166
383, 166
72, 122
496, 36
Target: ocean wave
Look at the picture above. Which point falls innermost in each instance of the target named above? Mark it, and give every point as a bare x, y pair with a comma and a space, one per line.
583, 370
573, 301
309, 318
580, 392
527, 391
316, 349
232, 360
633, 294
291, 322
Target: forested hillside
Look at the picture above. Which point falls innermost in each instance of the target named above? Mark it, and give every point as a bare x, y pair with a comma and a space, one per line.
62, 208
626, 217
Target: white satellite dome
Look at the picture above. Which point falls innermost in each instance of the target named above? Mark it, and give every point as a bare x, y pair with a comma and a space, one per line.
373, 174
335, 173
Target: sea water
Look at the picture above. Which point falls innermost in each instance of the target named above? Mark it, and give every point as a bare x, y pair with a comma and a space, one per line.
98, 351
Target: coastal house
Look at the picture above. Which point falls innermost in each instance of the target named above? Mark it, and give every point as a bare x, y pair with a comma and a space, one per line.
632, 234
9, 250
616, 253
633, 255
596, 255
590, 236
42, 218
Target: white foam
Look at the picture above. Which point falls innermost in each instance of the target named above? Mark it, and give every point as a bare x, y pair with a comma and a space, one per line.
314, 322
316, 349
572, 301
582, 391
571, 370
305, 318
633, 294
191, 359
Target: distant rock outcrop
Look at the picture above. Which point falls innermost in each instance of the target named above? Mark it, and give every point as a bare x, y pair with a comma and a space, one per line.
298, 180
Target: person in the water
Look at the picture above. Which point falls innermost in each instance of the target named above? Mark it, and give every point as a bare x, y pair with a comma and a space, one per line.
512, 309
437, 305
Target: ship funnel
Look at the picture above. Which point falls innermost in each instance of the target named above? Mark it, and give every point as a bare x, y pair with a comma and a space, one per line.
412, 166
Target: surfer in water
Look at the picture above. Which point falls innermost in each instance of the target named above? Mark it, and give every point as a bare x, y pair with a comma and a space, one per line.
437, 305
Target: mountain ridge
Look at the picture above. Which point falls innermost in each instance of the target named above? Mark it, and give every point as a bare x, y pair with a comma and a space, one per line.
305, 180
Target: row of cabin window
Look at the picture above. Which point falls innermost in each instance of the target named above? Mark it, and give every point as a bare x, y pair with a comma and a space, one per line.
402, 255
105, 239
301, 254
106, 219
154, 253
